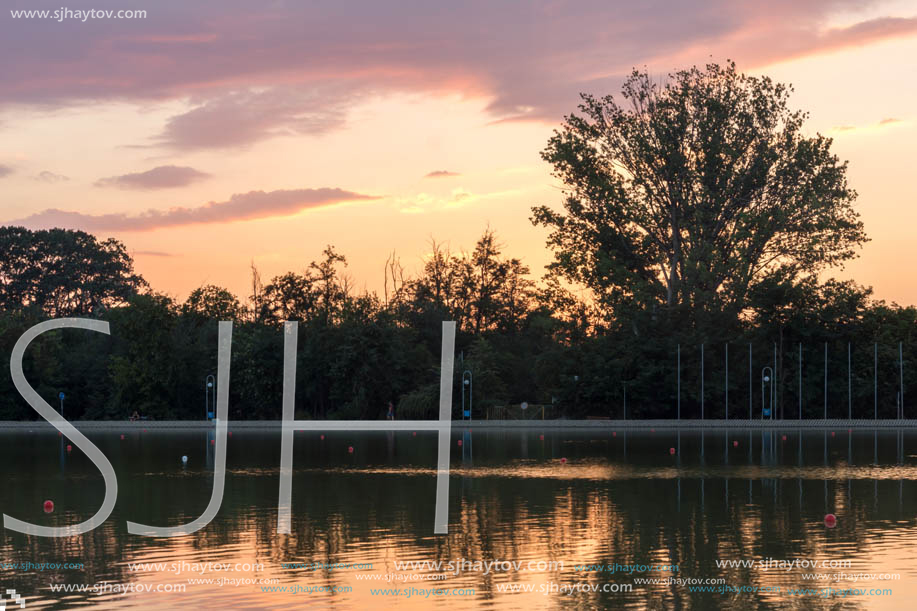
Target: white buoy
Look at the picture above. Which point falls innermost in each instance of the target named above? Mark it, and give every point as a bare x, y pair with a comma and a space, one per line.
184, 460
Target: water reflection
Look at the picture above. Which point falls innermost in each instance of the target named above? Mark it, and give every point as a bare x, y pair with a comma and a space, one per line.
618, 497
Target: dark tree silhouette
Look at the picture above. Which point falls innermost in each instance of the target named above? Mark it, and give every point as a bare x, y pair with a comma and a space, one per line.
685, 195
63, 273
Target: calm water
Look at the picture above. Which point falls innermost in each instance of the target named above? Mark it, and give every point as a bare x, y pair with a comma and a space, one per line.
616, 498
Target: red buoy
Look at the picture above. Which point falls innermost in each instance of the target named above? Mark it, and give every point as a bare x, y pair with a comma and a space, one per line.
122, 436
460, 442
671, 450
784, 438
48, 506
144, 430
414, 434
563, 461
230, 433
830, 520
213, 442
350, 449
69, 448
614, 433
832, 433
59, 434
735, 444
541, 437
323, 438
652, 430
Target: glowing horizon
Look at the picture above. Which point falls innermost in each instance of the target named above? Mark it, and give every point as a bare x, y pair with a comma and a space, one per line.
208, 137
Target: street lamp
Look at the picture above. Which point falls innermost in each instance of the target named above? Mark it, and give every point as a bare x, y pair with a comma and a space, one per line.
766, 375
208, 389
466, 381
575, 390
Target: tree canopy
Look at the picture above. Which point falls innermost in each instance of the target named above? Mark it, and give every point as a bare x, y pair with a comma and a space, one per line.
684, 196
63, 273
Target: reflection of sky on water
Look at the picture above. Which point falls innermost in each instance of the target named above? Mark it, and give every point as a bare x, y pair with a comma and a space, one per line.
618, 498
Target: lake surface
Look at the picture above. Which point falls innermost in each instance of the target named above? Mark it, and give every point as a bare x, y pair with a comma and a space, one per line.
546, 504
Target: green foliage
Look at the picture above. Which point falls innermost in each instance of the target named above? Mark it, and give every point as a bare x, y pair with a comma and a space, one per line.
63, 273
213, 302
420, 404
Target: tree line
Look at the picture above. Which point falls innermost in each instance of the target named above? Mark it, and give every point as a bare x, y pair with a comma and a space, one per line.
695, 212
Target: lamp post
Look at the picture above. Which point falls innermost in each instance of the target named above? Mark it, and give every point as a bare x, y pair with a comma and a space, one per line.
576, 390
208, 390
466, 381
766, 379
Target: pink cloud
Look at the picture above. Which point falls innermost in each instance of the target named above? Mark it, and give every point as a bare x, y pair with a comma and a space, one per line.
46, 176
239, 207
257, 70
243, 117
161, 177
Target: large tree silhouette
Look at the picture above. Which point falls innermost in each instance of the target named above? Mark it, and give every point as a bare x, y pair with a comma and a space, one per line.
63, 273
685, 195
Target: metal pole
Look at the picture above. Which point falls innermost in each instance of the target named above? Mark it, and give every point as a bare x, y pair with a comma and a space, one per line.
875, 381
849, 396
750, 387
463, 395
210, 396
702, 381
678, 375
774, 386
727, 380
826, 380
625, 400
901, 379
800, 380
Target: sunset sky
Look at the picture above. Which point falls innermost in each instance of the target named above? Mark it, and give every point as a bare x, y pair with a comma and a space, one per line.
212, 134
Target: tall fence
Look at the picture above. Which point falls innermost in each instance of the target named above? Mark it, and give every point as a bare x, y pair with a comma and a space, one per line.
774, 380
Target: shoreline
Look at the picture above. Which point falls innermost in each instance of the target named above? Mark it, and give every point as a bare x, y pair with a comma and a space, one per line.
193, 425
